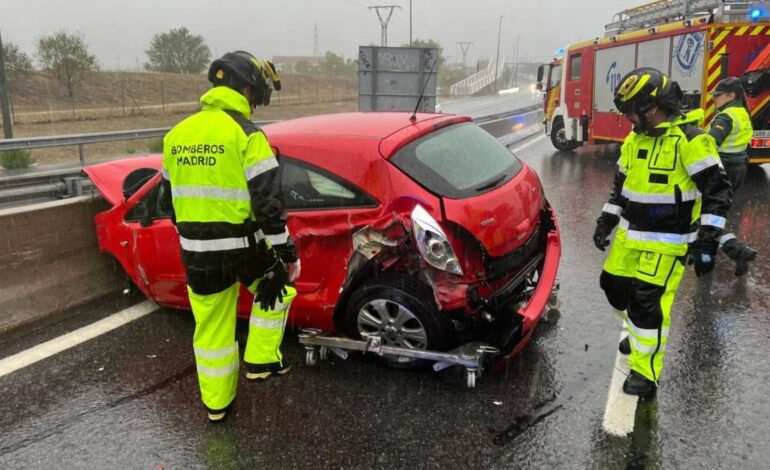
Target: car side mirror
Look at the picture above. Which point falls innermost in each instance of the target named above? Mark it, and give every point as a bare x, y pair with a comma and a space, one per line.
143, 214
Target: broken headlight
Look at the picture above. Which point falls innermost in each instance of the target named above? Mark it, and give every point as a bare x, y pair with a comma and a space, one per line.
433, 243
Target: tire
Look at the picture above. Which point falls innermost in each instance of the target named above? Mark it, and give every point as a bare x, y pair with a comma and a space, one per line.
400, 310
559, 137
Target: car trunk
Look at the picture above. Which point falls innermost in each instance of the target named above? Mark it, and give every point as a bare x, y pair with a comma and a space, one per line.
502, 219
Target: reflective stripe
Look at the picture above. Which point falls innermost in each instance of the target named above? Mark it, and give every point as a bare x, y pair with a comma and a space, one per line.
266, 324
700, 165
260, 167
218, 371
643, 348
726, 238
216, 353
713, 220
218, 244
657, 198
675, 238
165, 174
612, 209
211, 192
278, 239
647, 333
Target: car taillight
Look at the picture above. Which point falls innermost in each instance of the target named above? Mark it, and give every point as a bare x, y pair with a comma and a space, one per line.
759, 143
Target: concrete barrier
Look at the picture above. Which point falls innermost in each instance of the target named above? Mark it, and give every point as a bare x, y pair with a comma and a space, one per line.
50, 260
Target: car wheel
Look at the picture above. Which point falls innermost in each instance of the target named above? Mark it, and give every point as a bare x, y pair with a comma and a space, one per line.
559, 137
401, 311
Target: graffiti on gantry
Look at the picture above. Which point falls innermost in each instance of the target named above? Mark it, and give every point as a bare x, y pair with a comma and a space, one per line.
688, 48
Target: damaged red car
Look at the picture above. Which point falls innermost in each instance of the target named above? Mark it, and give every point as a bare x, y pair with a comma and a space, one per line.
426, 232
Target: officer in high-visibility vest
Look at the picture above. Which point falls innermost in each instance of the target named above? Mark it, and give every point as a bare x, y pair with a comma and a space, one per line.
224, 183
669, 201
731, 129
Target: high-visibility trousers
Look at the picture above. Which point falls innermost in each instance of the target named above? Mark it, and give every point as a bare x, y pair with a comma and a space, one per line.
216, 350
643, 284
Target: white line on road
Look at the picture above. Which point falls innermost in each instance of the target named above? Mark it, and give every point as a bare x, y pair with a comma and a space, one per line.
620, 413
72, 339
527, 144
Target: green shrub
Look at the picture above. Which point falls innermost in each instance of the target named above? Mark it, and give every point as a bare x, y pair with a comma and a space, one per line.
130, 149
155, 145
15, 159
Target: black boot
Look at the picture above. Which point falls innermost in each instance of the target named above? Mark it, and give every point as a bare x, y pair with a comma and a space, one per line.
739, 253
624, 346
637, 384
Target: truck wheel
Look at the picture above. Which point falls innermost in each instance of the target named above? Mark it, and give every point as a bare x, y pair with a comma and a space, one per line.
559, 137
399, 310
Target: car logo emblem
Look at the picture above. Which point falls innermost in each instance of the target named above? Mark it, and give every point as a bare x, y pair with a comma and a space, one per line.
488, 221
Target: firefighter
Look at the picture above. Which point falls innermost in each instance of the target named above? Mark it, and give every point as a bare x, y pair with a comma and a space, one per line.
731, 128
224, 184
732, 131
669, 201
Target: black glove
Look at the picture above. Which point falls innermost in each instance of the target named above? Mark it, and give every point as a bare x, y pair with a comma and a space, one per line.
702, 253
272, 287
739, 253
601, 233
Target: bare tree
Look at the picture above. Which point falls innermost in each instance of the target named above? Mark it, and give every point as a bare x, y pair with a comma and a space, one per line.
178, 51
66, 56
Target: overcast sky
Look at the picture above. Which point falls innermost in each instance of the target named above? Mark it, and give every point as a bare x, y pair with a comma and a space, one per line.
118, 32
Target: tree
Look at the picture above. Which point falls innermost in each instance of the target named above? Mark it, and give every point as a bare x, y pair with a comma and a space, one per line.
178, 51
304, 67
429, 43
16, 60
66, 56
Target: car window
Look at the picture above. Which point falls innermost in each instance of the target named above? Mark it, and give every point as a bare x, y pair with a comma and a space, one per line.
306, 187
458, 161
152, 200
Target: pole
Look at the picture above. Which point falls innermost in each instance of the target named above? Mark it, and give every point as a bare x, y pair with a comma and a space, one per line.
410, 23
7, 125
497, 57
516, 63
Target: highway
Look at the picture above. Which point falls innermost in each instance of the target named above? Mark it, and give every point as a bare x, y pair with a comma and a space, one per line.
126, 396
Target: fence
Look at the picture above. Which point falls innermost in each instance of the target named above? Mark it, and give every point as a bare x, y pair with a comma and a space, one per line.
40, 98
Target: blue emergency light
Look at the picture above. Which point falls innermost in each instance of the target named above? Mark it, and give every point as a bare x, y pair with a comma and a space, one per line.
758, 12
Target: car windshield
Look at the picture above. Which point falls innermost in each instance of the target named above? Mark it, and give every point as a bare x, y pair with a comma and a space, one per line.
458, 161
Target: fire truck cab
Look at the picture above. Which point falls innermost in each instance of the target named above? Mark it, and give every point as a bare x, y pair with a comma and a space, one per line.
717, 40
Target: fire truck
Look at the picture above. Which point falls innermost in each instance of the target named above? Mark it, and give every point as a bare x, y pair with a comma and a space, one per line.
695, 42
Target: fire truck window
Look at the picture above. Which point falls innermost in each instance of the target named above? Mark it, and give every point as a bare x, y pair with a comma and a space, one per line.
555, 76
575, 62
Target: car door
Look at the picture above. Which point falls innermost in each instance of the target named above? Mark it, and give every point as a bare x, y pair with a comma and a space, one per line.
155, 246
324, 212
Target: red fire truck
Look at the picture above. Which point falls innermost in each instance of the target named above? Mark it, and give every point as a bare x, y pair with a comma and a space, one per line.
707, 41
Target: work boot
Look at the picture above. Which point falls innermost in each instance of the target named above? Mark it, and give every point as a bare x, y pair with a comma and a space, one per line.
637, 384
739, 253
624, 346
218, 416
262, 372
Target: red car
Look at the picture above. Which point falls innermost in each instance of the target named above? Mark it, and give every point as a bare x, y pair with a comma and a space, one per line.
426, 232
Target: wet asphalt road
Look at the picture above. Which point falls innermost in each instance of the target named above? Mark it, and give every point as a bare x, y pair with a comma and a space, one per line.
129, 399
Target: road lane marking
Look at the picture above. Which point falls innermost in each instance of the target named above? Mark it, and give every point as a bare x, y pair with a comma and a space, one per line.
620, 412
527, 144
74, 338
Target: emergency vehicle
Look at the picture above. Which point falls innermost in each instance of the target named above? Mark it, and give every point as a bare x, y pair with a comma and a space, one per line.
707, 41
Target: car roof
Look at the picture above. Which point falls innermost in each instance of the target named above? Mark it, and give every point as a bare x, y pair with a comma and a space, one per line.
369, 125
